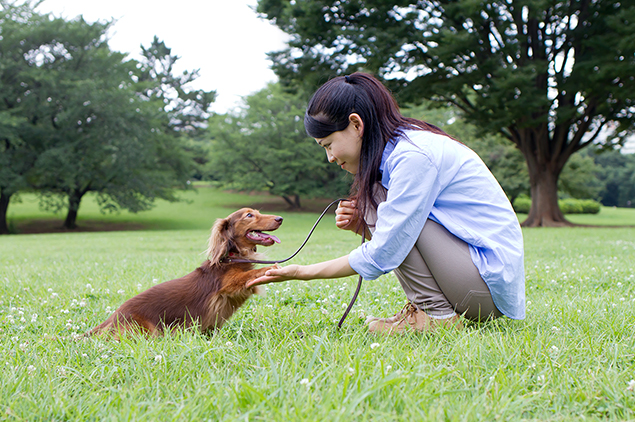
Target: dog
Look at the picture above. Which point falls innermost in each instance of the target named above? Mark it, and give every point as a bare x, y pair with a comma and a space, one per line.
208, 296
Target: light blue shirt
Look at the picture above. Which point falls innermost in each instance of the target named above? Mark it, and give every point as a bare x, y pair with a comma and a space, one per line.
437, 178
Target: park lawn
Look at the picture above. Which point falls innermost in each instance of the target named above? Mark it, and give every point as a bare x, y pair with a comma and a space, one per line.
280, 356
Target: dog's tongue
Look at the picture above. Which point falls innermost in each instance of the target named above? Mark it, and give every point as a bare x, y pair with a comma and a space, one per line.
269, 236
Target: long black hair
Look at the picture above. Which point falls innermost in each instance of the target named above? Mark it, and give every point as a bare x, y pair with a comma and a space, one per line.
329, 109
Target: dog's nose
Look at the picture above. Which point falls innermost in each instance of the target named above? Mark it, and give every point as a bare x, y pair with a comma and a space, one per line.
278, 219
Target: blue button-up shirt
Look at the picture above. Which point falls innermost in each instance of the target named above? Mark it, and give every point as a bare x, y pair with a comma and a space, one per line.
430, 176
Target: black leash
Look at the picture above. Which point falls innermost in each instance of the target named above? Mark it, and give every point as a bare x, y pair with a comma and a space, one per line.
359, 282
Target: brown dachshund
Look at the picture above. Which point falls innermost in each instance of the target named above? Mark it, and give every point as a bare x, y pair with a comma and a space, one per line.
209, 295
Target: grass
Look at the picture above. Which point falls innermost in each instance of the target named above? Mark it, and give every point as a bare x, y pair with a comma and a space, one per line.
281, 358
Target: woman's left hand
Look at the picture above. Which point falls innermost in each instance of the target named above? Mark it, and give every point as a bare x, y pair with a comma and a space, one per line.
276, 275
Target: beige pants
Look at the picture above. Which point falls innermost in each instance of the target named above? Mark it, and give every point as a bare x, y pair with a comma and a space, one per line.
439, 277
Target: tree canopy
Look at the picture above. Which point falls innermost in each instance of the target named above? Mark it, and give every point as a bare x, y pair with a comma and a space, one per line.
550, 76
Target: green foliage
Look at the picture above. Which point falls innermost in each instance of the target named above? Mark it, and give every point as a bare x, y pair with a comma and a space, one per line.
263, 146
617, 174
77, 117
579, 206
547, 75
579, 178
522, 205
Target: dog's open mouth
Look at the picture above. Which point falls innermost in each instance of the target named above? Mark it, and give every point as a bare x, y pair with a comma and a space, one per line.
264, 239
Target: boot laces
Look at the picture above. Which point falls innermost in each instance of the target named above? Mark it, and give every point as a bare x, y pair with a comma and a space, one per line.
408, 310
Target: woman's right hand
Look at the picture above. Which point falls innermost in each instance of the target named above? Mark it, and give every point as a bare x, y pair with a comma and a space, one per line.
276, 274
346, 215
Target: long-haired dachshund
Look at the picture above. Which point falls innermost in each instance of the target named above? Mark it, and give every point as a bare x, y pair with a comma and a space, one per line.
209, 295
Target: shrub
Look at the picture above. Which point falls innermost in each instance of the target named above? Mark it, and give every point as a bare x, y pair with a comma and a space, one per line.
570, 206
522, 204
589, 206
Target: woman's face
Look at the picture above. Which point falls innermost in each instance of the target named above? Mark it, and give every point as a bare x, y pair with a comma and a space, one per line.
344, 147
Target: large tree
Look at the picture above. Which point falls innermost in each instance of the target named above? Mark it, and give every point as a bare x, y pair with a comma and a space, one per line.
78, 117
551, 76
24, 128
263, 146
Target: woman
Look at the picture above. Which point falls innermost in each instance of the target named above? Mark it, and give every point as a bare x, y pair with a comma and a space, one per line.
436, 215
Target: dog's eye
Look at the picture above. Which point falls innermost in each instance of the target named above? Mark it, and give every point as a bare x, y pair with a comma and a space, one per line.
249, 215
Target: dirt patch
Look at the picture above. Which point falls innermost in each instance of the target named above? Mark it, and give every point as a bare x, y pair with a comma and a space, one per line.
55, 226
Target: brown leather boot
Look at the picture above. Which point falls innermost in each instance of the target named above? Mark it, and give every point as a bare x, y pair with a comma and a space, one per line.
394, 318
412, 319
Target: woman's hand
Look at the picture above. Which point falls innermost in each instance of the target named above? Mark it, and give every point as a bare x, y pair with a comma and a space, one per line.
335, 268
346, 215
276, 275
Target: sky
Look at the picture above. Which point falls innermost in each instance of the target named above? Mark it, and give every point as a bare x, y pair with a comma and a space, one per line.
224, 39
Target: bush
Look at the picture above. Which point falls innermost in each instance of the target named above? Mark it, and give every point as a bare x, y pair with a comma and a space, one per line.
589, 206
522, 204
570, 206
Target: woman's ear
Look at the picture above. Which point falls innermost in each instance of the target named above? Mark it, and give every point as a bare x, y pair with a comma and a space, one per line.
357, 123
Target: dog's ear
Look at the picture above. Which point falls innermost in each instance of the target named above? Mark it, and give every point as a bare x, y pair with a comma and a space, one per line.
219, 240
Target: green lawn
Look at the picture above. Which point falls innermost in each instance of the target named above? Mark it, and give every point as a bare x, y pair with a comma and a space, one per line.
281, 358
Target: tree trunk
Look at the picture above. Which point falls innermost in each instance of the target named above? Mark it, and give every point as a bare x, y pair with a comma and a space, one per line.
74, 199
544, 211
294, 203
4, 206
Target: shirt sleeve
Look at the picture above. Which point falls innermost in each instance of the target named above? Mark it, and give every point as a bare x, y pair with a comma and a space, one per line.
413, 186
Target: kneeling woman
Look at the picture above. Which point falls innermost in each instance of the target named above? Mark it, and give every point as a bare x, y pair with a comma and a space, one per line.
436, 215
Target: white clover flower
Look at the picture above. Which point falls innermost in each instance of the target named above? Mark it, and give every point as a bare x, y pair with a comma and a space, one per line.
374, 345
229, 344
82, 303
631, 385
158, 358
555, 329
30, 369
89, 286
304, 381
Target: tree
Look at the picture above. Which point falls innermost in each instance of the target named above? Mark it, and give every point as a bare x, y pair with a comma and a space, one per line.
548, 75
263, 146
616, 172
24, 133
82, 118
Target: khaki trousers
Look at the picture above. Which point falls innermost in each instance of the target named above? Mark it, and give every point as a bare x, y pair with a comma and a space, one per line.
439, 277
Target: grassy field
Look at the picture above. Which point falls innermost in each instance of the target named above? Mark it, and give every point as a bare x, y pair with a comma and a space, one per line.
281, 357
